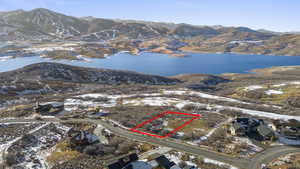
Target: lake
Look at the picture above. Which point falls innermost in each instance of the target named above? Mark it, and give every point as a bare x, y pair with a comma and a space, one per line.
161, 64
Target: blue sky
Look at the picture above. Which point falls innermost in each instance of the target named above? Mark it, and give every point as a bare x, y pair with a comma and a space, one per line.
276, 15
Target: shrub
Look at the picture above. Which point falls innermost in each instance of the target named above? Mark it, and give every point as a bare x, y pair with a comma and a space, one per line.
11, 159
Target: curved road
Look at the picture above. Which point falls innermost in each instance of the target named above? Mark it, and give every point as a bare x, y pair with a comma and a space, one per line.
270, 154
254, 163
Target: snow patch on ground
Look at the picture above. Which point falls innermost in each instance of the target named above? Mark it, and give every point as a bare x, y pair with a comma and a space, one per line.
280, 85
5, 58
191, 163
164, 101
5, 146
253, 87
36, 155
83, 58
259, 113
295, 83
203, 95
206, 160
175, 158
273, 92
73, 104
152, 100
82, 101
49, 49
281, 160
286, 83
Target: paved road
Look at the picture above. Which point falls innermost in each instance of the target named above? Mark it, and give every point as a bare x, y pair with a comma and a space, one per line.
253, 163
270, 154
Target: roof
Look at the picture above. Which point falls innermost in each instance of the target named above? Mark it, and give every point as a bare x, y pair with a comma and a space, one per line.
82, 135
243, 120
138, 165
54, 104
294, 123
264, 130
175, 167
114, 166
124, 161
163, 161
153, 163
237, 126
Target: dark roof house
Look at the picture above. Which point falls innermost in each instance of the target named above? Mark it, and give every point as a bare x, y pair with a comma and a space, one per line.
83, 138
166, 163
265, 133
253, 128
238, 129
49, 107
123, 162
138, 165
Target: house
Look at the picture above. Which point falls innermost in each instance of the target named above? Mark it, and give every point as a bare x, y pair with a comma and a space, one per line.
166, 163
292, 133
124, 162
253, 128
49, 107
163, 161
82, 138
289, 129
131, 162
96, 114
138, 165
236, 129
264, 133
242, 126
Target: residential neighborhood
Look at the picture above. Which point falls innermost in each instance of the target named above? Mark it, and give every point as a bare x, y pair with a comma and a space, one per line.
145, 84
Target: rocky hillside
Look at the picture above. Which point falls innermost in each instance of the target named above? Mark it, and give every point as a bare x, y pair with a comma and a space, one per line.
67, 73
43, 25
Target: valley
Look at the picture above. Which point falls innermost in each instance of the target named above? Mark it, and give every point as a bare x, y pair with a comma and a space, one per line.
93, 93
115, 101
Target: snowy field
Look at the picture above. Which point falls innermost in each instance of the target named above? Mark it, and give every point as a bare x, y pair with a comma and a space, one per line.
154, 100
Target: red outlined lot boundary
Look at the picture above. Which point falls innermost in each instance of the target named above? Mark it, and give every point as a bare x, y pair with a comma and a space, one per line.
134, 129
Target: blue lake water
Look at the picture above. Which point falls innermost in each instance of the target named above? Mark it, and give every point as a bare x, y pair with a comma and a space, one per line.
161, 64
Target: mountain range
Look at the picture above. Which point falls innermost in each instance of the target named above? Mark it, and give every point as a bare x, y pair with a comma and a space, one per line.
43, 25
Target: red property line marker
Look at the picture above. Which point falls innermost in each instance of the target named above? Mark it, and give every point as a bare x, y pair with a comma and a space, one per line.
148, 121
195, 116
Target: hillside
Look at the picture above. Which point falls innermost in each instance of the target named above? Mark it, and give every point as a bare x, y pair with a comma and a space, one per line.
40, 26
61, 72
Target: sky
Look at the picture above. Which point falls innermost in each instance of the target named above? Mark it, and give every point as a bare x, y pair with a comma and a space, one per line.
275, 15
